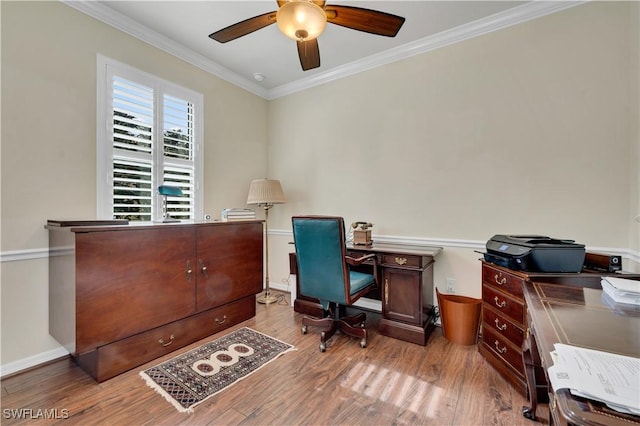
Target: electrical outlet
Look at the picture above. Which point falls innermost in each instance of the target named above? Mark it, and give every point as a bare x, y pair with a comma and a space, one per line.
451, 284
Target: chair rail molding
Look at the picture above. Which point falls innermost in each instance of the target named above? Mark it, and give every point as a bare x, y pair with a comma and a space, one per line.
626, 253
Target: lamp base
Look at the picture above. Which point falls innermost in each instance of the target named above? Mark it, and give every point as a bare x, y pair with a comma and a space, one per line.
266, 299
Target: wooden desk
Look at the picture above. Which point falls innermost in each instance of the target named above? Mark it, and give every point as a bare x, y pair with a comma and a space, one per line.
406, 289
575, 316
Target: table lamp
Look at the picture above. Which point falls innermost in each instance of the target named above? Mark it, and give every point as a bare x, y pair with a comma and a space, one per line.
265, 193
165, 191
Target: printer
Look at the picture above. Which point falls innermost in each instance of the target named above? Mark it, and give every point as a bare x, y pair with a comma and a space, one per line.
535, 253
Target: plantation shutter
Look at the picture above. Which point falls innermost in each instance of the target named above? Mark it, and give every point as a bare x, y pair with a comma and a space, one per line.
178, 155
133, 112
150, 133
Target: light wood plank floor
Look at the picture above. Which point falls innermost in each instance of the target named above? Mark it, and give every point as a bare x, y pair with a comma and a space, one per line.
390, 382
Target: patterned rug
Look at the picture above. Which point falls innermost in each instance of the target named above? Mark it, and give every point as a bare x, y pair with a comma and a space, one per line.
190, 378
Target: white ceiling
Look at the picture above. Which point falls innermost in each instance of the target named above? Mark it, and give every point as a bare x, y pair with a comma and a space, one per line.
182, 28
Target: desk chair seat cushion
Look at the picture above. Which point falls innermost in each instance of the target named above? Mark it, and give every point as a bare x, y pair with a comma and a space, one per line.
359, 281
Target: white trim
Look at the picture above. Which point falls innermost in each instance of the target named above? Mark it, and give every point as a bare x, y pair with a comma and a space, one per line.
32, 361
626, 253
27, 254
517, 15
127, 25
39, 253
528, 11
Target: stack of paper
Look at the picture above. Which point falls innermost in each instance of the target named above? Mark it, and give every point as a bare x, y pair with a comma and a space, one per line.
238, 214
601, 376
621, 290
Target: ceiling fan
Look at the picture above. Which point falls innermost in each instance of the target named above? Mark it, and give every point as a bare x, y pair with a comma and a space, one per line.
304, 20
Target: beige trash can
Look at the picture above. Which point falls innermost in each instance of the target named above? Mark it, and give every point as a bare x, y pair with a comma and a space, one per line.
460, 317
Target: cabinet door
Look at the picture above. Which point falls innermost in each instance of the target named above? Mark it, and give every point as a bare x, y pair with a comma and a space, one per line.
129, 281
402, 295
229, 261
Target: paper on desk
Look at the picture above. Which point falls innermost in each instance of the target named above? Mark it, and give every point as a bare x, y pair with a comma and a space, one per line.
623, 285
602, 376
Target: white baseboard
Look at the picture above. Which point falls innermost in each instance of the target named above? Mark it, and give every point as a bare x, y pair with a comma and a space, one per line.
32, 361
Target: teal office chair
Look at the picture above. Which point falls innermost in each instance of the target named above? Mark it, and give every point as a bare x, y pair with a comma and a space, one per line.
324, 273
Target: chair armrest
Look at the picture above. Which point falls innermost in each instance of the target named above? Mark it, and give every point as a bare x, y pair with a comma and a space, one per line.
357, 261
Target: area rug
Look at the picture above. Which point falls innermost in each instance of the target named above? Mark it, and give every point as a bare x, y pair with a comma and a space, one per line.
189, 379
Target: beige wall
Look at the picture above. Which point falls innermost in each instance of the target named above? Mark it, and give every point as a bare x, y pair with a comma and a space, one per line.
530, 129
49, 143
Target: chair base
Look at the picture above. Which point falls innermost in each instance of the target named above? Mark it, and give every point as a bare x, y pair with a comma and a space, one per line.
351, 326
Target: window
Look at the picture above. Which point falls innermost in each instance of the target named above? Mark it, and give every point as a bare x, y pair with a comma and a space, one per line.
149, 134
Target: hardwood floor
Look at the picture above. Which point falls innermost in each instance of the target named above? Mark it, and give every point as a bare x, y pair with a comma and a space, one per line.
390, 382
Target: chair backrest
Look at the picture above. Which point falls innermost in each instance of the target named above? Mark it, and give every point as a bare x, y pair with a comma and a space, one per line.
320, 248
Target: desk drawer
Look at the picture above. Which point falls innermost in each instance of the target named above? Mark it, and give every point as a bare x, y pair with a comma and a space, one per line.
502, 303
506, 282
402, 260
503, 325
504, 349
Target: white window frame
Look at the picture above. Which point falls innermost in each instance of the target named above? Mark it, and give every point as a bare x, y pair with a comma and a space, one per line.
106, 68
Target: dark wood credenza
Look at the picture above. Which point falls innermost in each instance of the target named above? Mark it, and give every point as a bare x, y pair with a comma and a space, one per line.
406, 289
504, 311
122, 295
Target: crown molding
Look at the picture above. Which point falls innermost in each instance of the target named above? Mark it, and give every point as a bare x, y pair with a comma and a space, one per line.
517, 15
129, 26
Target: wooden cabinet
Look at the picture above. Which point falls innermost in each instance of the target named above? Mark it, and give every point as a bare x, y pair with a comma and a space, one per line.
407, 296
123, 295
503, 322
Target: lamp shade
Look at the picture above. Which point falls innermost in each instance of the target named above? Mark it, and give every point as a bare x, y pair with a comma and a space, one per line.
265, 191
301, 20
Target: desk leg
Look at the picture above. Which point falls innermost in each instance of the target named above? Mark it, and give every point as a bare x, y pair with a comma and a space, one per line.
530, 356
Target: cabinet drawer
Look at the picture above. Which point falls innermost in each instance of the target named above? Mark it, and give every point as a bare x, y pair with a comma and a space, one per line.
506, 282
120, 356
502, 325
504, 349
402, 260
503, 303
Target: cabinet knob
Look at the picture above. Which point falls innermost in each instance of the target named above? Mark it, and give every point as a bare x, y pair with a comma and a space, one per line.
401, 260
189, 271
500, 280
221, 321
498, 303
203, 268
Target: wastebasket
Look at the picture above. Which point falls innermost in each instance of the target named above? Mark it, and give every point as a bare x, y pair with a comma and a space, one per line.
460, 317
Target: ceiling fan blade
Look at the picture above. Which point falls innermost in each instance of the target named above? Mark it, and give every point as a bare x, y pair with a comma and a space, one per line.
367, 20
309, 54
243, 28
320, 3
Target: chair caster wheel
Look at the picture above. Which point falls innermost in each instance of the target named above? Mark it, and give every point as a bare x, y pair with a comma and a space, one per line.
323, 347
528, 414
363, 343
304, 329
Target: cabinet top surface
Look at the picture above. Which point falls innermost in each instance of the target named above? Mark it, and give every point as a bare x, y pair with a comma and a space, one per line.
397, 248
107, 225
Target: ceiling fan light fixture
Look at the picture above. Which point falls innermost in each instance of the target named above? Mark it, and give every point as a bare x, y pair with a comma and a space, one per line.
301, 20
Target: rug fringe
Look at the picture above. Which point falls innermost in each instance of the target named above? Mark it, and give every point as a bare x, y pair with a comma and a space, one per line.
153, 385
